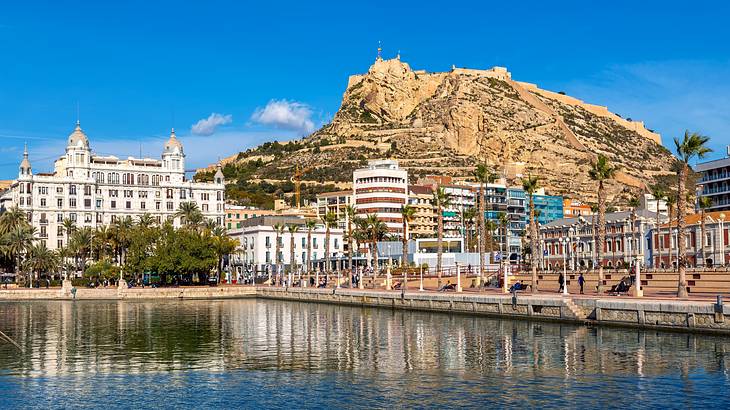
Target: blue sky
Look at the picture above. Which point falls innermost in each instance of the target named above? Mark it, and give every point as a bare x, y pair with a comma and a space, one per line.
229, 75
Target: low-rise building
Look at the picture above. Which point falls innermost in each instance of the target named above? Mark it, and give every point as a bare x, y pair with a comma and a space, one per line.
336, 202
573, 208
257, 245
424, 223
572, 241
714, 250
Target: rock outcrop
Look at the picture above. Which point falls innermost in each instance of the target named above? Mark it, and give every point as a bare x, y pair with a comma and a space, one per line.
446, 123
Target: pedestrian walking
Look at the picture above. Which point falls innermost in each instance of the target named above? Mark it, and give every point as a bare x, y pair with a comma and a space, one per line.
561, 281
581, 281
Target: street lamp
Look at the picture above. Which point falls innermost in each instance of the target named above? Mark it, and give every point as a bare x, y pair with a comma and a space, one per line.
564, 241
676, 248
722, 240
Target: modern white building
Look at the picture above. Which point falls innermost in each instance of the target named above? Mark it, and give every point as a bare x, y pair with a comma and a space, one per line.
95, 190
381, 189
715, 182
336, 202
257, 244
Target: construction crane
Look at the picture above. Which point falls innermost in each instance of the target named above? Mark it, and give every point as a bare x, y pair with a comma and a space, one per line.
297, 180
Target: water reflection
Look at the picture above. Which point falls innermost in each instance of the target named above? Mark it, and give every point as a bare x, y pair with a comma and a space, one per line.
378, 356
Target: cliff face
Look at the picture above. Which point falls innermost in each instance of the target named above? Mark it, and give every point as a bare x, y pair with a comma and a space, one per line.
446, 123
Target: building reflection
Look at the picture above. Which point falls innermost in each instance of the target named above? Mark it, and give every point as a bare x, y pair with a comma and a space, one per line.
83, 337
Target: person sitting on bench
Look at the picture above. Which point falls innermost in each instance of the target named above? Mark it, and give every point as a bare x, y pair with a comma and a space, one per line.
621, 287
447, 286
517, 286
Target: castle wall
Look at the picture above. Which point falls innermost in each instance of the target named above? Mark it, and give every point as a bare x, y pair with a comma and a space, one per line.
600, 110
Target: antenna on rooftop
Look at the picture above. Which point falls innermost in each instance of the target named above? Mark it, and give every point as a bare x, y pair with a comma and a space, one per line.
78, 114
380, 51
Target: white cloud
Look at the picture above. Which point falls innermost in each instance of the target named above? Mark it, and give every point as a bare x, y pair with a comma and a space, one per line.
207, 126
290, 115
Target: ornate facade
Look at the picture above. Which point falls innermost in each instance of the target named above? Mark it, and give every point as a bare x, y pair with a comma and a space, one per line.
95, 190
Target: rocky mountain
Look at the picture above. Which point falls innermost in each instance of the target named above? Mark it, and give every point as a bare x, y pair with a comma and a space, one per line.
445, 123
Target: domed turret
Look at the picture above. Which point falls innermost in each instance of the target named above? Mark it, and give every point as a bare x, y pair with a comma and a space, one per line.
173, 145
78, 138
218, 177
25, 168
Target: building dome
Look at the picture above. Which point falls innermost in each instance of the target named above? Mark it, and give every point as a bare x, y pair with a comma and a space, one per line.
78, 138
173, 145
25, 168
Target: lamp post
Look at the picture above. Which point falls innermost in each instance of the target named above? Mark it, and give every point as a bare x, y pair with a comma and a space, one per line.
565, 241
722, 239
676, 248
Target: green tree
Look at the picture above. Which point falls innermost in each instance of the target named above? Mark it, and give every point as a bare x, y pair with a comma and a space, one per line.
441, 199
483, 175
692, 146
407, 213
293, 229
530, 185
330, 221
350, 214
310, 224
601, 171
223, 245
41, 260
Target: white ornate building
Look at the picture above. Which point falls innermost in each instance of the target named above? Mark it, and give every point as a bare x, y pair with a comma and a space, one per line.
95, 190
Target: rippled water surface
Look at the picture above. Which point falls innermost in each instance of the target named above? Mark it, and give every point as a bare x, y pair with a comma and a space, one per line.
254, 353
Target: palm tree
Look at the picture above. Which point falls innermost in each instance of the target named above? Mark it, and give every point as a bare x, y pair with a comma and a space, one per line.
12, 219
484, 175
121, 233
310, 224
19, 241
691, 146
189, 214
601, 171
279, 230
659, 195
470, 220
376, 230
145, 221
41, 259
69, 226
671, 202
407, 212
103, 239
330, 221
442, 199
222, 245
81, 246
704, 202
293, 229
350, 213
503, 224
530, 185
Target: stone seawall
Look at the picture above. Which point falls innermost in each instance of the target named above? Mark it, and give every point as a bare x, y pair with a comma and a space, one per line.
222, 292
691, 316
669, 315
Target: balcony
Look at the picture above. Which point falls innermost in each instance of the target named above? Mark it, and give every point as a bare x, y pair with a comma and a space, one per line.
44, 221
